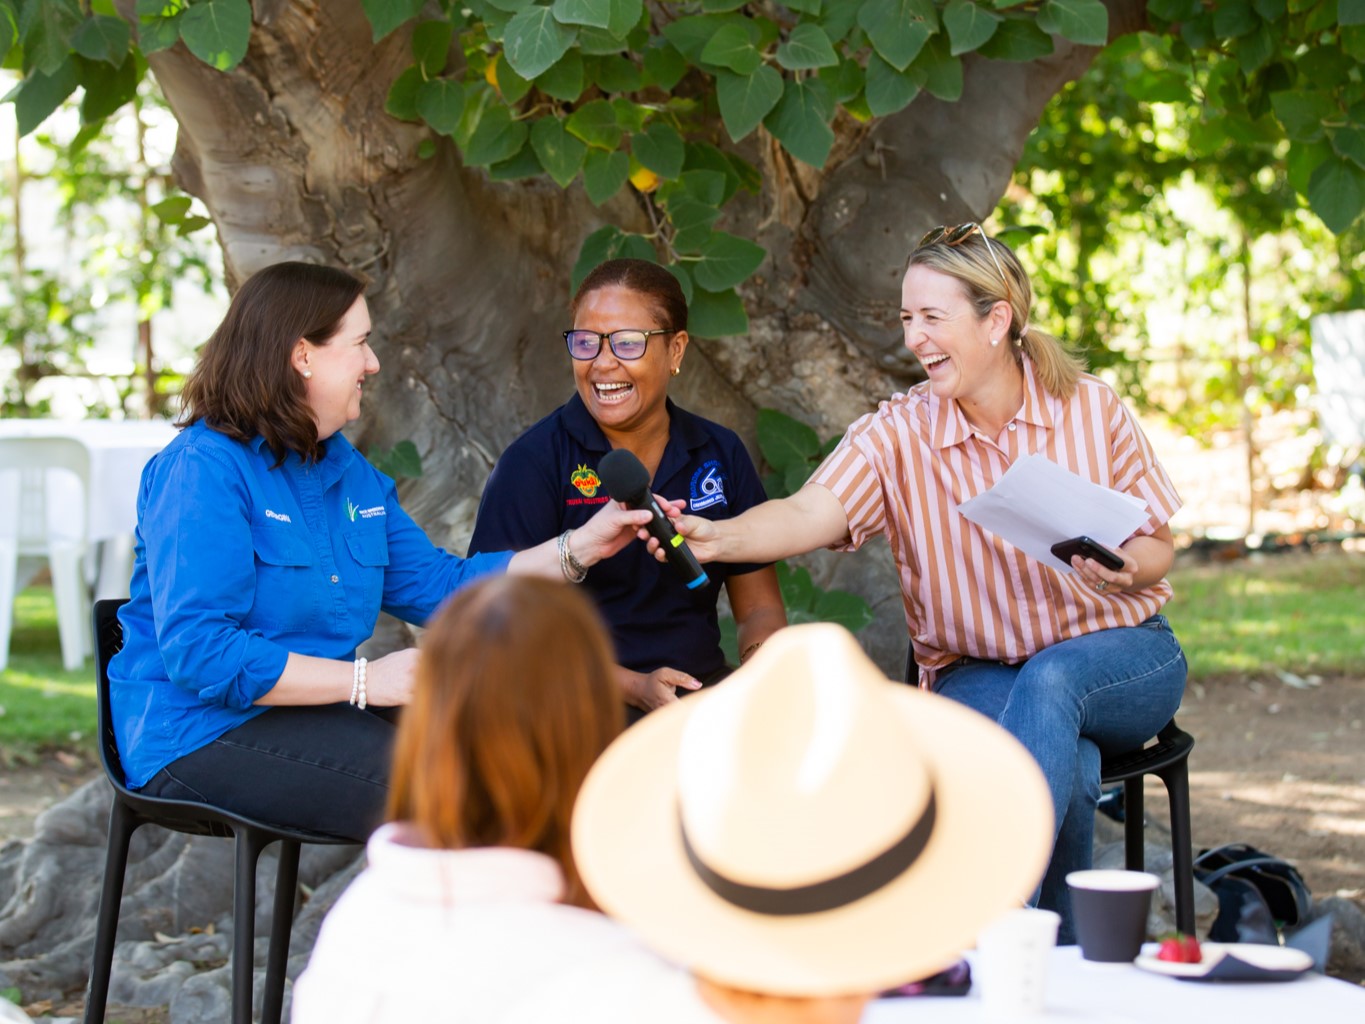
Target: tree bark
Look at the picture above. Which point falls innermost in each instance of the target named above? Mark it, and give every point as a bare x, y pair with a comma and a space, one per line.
294, 157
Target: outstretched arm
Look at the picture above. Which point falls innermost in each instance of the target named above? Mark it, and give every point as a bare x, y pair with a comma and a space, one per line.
811, 518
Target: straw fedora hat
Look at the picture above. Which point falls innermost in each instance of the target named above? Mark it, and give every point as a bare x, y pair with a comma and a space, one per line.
810, 828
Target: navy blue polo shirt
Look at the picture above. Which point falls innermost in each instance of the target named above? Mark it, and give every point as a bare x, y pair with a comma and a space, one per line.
546, 482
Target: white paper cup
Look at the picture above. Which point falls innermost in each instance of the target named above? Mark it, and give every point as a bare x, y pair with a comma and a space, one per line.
1011, 962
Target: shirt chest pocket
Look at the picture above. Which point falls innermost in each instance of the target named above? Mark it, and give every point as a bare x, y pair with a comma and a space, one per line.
368, 545
287, 593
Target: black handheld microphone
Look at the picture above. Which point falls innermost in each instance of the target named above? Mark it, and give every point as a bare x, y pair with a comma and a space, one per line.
627, 481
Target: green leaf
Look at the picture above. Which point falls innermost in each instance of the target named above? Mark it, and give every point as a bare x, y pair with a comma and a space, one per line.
521, 165
702, 156
889, 90
387, 15
596, 13
560, 153
1270, 10
631, 117
1350, 143
839, 606
1081, 21
798, 592
604, 173
838, 20
511, 86
534, 41
595, 123
46, 27
721, 5
898, 28
692, 221
217, 31
726, 260
431, 46
497, 137
172, 210
565, 80
614, 73
1256, 49
157, 34
39, 95
807, 47
942, 72
746, 100
402, 99
9, 27
845, 80
1174, 10
1233, 18
660, 149
684, 279
625, 15
1019, 40
1302, 113
800, 121
103, 38
664, 66
690, 34
1336, 194
732, 48
707, 186
440, 103
716, 314
510, 6
1350, 12
785, 441
400, 460
968, 24
107, 88
1302, 160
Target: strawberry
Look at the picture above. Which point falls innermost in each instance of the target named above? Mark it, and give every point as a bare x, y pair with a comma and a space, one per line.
1180, 949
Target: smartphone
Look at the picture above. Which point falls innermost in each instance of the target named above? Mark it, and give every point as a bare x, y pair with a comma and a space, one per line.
1087, 548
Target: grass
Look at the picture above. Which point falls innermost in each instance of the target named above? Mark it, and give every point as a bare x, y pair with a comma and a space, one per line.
1267, 614
1253, 617
43, 706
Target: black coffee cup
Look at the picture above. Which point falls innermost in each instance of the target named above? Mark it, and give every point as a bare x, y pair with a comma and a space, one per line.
1110, 910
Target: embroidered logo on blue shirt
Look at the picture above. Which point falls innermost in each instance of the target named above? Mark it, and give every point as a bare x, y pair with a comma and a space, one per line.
270, 513
708, 487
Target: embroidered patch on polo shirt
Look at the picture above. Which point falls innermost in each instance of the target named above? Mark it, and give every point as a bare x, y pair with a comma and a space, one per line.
708, 486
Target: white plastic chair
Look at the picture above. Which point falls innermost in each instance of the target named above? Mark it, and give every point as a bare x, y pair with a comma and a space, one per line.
29, 535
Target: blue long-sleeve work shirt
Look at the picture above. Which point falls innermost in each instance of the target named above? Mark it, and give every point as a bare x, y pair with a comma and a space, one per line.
238, 564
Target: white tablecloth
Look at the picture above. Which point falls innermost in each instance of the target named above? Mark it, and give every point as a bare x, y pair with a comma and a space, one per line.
1123, 994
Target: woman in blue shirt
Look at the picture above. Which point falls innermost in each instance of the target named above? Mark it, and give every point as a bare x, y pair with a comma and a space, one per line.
266, 548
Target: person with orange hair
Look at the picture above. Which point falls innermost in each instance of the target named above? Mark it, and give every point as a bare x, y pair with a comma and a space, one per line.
471, 891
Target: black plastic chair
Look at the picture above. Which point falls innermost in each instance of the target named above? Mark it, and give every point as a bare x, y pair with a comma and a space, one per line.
132, 810
1167, 759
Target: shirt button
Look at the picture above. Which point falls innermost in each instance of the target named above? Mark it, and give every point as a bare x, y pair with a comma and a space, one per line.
1011, 427
335, 579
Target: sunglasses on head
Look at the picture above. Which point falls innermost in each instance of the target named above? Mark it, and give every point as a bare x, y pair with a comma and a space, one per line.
956, 234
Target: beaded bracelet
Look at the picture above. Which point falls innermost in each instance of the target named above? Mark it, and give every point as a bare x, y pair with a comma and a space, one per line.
358, 674
744, 655
573, 570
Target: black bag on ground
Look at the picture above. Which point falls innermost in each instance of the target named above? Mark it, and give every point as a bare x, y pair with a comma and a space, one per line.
1258, 895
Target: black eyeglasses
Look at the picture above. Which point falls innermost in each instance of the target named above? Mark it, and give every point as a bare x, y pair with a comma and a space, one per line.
625, 345
959, 233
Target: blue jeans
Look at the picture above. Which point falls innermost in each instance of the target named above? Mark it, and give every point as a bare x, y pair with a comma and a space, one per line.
1105, 692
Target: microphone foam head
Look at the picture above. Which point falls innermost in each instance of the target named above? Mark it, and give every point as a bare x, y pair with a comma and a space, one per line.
624, 476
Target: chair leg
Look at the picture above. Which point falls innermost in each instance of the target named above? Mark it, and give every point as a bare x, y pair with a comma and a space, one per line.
68, 586
122, 824
1134, 816
9, 590
250, 843
277, 958
1177, 780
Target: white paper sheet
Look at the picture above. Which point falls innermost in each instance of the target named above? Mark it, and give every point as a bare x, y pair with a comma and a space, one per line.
1038, 503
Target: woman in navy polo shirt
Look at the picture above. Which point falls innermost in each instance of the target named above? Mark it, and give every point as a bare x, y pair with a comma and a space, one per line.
266, 547
628, 339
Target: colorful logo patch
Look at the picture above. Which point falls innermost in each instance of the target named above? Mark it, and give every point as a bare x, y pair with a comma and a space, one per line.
708, 487
585, 480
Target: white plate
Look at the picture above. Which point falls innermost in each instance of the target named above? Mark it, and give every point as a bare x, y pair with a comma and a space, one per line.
1274, 961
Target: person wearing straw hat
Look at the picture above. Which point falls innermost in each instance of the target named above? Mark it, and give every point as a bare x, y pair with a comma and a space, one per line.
1074, 663
809, 834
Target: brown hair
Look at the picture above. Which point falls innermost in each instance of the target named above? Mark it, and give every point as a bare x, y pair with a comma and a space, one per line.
969, 261
515, 699
649, 279
243, 384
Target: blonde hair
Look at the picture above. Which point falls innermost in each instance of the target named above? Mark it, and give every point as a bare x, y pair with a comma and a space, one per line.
514, 700
969, 261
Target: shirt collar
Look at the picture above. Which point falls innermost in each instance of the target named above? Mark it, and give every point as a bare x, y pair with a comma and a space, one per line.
685, 431
492, 874
338, 455
952, 427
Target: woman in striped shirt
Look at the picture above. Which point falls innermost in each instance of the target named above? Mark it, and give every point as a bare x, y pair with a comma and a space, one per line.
1073, 664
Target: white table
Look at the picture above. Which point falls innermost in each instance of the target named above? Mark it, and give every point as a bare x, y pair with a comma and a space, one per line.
119, 449
1123, 994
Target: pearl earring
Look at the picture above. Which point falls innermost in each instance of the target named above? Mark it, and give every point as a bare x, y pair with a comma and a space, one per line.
995, 341
676, 370
307, 374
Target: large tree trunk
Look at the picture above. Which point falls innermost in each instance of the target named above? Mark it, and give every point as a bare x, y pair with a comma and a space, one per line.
293, 155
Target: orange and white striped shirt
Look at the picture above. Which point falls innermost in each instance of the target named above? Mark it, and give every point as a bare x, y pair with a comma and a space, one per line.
904, 469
